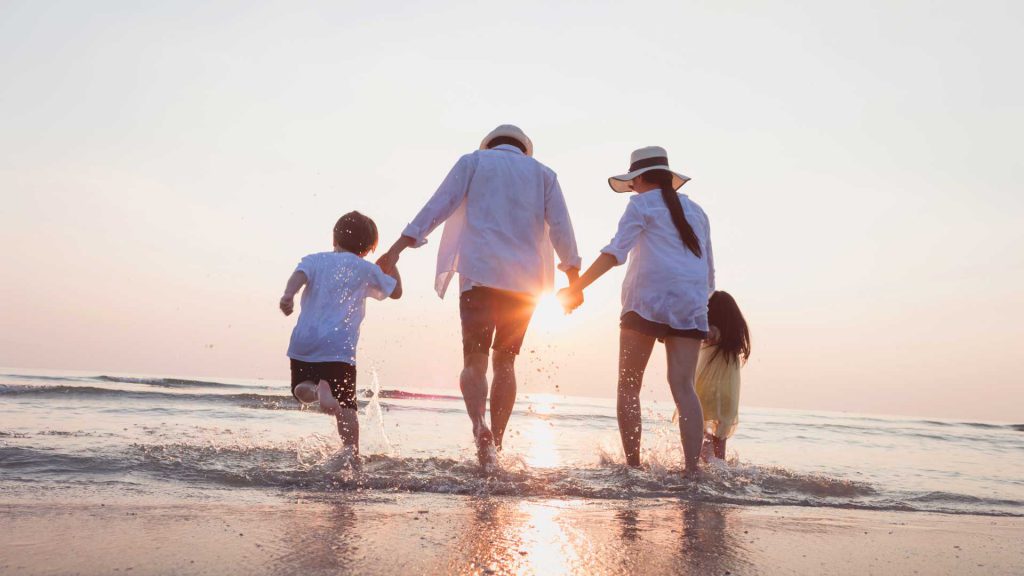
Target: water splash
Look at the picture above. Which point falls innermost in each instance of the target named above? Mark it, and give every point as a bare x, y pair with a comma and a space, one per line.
374, 439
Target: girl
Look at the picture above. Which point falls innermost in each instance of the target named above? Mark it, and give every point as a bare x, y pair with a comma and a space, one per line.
718, 370
664, 295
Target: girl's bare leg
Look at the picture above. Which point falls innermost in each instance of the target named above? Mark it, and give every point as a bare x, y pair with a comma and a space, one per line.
719, 447
634, 352
682, 367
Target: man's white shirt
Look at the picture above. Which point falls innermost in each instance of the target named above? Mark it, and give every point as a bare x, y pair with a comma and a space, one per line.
504, 217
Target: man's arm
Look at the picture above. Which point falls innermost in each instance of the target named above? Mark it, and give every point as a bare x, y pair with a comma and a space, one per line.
295, 282
445, 201
560, 229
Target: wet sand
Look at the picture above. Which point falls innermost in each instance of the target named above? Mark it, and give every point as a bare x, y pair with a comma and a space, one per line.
375, 533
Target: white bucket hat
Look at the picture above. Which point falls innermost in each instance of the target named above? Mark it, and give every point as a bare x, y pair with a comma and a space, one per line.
645, 160
508, 131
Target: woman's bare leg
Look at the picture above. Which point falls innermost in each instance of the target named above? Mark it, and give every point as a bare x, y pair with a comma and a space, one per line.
634, 352
682, 367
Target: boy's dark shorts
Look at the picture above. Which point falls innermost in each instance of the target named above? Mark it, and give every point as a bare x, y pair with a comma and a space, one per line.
637, 323
340, 375
493, 318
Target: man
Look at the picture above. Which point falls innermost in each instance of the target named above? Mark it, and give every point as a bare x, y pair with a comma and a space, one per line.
503, 213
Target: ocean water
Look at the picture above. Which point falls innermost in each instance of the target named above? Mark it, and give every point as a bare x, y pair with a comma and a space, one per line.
102, 436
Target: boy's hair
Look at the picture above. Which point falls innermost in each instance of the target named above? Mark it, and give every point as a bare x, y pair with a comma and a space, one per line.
356, 233
734, 337
506, 140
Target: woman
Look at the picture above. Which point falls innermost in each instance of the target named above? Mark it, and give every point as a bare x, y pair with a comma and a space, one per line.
664, 295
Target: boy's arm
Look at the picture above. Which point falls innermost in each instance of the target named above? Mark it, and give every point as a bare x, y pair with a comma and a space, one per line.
295, 282
397, 292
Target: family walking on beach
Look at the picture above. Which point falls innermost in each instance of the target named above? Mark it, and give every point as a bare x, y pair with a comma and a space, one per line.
504, 219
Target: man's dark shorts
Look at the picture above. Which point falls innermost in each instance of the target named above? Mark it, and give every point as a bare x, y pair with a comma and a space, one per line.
637, 323
340, 375
493, 318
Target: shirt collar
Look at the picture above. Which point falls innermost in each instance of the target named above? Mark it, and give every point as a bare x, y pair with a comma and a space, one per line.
508, 148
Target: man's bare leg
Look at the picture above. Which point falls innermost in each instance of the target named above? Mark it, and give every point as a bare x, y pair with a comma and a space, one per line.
503, 393
634, 352
473, 383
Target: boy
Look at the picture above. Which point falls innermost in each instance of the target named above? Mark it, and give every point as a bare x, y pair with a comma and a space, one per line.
323, 344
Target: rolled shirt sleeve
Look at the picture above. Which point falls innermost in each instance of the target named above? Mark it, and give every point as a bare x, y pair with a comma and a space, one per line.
560, 229
630, 226
444, 202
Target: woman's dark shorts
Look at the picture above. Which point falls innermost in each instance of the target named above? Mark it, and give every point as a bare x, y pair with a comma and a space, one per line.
637, 323
493, 318
340, 375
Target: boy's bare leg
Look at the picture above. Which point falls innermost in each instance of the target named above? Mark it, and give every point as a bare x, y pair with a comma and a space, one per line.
328, 403
348, 429
306, 392
473, 382
682, 364
503, 393
634, 352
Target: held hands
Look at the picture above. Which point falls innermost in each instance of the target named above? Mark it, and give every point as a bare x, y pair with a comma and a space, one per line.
287, 305
388, 261
570, 299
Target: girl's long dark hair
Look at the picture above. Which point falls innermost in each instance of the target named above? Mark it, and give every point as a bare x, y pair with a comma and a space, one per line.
733, 335
663, 178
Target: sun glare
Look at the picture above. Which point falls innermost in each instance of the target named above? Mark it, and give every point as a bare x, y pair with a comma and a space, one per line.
549, 316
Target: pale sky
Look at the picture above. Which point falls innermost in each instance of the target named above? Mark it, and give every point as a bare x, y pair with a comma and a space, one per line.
163, 167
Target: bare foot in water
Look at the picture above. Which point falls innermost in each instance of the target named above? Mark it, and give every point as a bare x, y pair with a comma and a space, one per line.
485, 451
345, 460
692, 474
328, 403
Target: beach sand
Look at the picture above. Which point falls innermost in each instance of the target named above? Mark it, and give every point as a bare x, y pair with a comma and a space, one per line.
375, 533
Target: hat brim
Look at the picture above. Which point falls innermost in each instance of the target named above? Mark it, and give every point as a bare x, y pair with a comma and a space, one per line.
621, 182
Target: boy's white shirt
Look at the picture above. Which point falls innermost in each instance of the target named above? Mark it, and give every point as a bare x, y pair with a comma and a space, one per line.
664, 282
504, 215
334, 305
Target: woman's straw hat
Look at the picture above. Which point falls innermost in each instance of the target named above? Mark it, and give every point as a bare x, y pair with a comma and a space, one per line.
508, 131
645, 160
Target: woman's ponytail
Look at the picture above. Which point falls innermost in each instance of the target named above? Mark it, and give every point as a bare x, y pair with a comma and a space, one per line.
663, 178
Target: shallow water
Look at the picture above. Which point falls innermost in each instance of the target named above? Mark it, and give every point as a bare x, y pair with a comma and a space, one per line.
249, 439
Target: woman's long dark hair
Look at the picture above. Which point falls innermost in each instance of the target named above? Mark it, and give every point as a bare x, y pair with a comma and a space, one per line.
733, 335
663, 178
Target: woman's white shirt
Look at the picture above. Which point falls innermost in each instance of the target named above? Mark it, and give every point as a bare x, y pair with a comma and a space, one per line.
665, 282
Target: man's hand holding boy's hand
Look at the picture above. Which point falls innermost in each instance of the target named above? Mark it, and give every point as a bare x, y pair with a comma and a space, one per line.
388, 261
287, 305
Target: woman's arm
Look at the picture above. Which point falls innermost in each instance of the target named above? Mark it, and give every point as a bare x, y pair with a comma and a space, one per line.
295, 282
571, 298
604, 263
